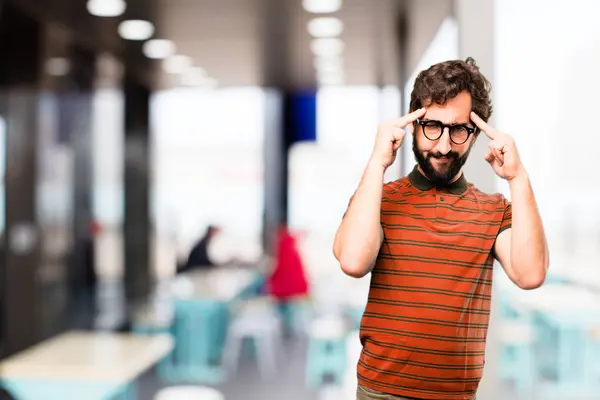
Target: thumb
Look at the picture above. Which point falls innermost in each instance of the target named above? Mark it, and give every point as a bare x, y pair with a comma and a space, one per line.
489, 157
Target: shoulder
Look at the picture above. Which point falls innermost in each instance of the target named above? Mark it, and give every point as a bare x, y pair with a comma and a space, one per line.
495, 199
397, 186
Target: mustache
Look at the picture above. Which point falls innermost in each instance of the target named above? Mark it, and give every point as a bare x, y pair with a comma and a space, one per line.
452, 155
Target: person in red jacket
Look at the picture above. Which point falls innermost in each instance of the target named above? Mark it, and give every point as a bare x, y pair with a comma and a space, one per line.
287, 282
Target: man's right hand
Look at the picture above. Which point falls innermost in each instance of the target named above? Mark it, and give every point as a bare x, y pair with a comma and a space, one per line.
390, 136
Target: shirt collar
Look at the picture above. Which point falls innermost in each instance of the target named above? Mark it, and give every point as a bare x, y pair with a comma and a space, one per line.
419, 181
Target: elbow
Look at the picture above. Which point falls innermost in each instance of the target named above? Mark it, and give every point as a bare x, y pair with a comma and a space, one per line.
352, 266
532, 280
352, 263
353, 270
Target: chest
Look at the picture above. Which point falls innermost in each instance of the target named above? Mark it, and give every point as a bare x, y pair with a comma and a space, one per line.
441, 226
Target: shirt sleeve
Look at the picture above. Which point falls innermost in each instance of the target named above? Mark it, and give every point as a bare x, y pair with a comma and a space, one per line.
507, 217
384, 195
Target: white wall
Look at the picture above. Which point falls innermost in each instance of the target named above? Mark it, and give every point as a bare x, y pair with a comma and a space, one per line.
108, 153
424, 20
108, 191
324, 174
207, 158
546, 66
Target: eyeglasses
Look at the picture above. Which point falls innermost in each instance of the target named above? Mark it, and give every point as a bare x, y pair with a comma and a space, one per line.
433, 130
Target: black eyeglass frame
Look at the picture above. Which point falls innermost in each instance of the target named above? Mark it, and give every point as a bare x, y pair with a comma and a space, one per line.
443, 127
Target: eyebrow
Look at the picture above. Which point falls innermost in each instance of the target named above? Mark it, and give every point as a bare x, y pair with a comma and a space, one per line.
469, 122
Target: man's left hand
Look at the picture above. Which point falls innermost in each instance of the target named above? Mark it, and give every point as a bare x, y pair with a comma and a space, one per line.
502, 155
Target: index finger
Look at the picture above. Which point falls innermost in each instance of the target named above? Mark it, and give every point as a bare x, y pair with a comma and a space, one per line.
481, 124
410, 118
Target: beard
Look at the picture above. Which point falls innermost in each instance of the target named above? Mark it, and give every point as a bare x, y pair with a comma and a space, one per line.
448, 172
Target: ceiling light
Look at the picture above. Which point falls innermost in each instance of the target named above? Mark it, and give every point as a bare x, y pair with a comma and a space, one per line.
209, 83
203, 82
328, 63
330, 76
325, 27
322, 6
106, 8
177, 64
136, 29
331, 82
327, 47
193, 77
58, 66
158, 48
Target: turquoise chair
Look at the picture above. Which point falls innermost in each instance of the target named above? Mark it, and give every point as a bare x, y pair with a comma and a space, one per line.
575, 352
294, 314
355, 315
326, 357
199, 329
165, 369
517, 353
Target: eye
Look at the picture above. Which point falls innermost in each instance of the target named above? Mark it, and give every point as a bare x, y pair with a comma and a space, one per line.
459, 129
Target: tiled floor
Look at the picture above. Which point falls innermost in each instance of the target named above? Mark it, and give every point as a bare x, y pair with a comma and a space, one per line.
247, 384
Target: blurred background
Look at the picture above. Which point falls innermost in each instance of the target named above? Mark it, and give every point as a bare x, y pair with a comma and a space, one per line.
172, 173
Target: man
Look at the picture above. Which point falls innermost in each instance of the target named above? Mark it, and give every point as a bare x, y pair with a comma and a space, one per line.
199, 257
429, 240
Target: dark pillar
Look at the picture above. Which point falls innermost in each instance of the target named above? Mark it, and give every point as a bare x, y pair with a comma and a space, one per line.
136, 222
275, 169
76, 104
276, 58
54, 220
19, 50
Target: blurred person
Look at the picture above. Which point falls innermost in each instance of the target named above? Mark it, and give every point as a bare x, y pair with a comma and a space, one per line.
84, 291
91, 277
287, 282
200, 257
430, 239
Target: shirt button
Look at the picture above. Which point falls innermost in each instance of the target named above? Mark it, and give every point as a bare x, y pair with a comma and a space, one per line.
441, 199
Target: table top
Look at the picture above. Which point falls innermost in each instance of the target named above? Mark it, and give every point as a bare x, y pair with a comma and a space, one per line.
556, 297
585, 276
561, 304
88, 356
222, 284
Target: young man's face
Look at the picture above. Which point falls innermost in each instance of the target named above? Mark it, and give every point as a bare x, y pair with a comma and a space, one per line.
441, 160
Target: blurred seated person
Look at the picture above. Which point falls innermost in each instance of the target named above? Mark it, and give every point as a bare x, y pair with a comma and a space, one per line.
200, 255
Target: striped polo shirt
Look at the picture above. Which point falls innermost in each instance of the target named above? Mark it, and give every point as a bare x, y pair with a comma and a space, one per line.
425, 324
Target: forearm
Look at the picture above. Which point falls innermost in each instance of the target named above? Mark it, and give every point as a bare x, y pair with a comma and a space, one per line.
359, 236
529, 249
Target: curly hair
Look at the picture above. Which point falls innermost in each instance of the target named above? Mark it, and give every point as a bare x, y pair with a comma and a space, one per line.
444, 81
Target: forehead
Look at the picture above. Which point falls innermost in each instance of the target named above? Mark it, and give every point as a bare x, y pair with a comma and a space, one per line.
456, 110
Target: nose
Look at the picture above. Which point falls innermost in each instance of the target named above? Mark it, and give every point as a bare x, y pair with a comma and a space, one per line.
444, 145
